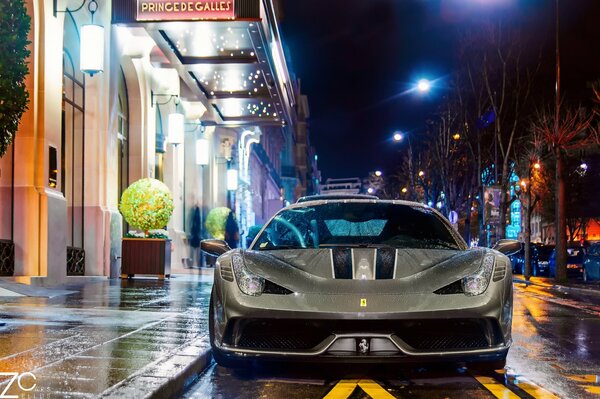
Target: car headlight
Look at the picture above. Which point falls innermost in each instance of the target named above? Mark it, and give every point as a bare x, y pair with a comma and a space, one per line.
248, 282
477, 283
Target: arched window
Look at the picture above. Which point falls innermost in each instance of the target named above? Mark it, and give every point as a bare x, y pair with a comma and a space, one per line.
73, 147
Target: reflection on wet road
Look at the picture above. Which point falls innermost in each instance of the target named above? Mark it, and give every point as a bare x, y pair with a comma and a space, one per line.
556, 354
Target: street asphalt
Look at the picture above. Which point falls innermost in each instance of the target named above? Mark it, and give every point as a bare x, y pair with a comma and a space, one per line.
148, 338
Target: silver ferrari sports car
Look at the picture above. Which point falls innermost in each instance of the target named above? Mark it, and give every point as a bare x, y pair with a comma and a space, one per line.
362, 280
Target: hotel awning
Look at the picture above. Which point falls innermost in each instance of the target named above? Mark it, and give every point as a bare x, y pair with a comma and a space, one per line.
229, 54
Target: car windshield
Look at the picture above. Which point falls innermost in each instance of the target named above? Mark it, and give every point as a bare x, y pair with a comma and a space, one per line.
341, 224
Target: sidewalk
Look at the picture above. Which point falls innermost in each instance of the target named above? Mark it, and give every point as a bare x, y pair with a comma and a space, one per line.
110, 338
572, 285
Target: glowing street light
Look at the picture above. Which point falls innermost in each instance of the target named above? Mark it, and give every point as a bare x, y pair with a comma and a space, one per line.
398, 136
378, 173
537, 165
370, 190
423, 85
421, 173
456, 136
404, 190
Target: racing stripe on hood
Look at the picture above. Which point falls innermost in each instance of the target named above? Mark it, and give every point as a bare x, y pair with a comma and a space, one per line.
385, 263
355, 263
342, 263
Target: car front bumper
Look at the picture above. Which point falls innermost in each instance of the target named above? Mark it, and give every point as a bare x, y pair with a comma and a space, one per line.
414, 327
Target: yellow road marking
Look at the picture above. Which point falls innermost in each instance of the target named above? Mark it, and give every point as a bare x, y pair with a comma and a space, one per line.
344, 388
497, 389
534, 390
591, 378
592, 389
374, 390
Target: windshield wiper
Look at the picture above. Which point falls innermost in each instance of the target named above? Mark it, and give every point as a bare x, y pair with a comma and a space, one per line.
441, 243
276, 247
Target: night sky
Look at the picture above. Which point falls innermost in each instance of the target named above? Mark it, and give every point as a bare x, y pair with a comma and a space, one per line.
356, 58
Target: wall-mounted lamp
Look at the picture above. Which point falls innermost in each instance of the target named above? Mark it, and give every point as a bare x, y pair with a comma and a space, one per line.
91, 50
232, 179
176, 123
175, 120
202, 157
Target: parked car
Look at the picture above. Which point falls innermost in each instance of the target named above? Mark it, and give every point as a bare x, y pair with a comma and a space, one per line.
591, 263
517, 256
575, 256
359, 280
543, 253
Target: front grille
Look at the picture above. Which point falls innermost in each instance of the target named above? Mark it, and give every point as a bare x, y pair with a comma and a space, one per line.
420, 335
281, 335
499, 270
287, 342
456, 334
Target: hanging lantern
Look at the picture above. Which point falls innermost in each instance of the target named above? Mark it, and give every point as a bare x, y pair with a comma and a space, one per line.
176, 128
91, 49
232, 179
202, 156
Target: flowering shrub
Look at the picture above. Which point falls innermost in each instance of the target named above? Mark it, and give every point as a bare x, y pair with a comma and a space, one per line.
158, 233
215, 222
147, 204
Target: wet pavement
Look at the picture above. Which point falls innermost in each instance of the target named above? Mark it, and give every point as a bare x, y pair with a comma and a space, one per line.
109, 332
556, 353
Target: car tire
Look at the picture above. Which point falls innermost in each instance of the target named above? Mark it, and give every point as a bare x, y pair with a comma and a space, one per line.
217, 354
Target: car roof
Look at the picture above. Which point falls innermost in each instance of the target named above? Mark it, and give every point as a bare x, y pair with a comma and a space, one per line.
358, 200
318, 197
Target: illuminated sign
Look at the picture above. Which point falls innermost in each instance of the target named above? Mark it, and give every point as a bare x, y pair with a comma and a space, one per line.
173, 10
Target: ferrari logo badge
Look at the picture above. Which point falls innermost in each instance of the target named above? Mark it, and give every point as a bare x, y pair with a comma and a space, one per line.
363, 302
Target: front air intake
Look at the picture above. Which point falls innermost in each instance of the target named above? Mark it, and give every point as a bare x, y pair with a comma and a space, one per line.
499, 270
226, 271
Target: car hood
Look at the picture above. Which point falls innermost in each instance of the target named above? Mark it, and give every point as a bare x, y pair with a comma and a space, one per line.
364, 269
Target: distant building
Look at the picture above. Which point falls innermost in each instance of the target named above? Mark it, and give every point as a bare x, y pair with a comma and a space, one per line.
352, 185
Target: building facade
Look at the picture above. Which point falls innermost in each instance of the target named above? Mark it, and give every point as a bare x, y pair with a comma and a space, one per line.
189, 93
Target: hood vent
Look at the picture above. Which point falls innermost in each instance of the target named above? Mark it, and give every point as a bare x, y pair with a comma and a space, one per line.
499, 270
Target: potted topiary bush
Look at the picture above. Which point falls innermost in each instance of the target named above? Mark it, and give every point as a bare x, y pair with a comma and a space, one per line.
215, 222
147, 205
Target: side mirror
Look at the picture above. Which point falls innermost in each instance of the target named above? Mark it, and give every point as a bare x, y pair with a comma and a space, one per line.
214, 247
508, 247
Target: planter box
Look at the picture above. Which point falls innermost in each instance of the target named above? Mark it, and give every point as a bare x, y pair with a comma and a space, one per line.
145, 256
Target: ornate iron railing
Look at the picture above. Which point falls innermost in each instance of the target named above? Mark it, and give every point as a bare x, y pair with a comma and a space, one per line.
75, 261
7, 258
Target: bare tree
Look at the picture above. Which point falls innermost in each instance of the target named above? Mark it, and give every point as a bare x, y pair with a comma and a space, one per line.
564, 130
508, 82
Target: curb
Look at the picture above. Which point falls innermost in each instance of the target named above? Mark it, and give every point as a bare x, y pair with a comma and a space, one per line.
166, 377
558, 287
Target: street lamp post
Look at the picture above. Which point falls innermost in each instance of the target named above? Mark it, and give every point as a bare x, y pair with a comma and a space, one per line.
399, 137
